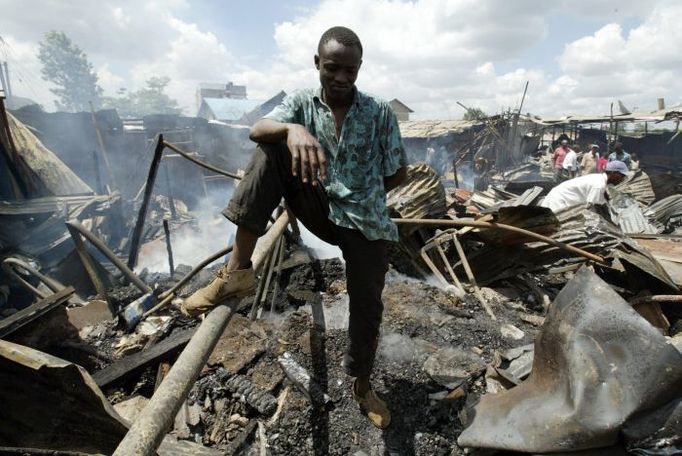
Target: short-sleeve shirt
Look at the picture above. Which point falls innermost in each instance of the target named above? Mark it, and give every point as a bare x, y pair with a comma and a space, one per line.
559, 155
570, 161
588, 163
368, 149
585, 189
625, 158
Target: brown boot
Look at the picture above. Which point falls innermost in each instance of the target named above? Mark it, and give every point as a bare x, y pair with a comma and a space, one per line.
376, 409
227, 284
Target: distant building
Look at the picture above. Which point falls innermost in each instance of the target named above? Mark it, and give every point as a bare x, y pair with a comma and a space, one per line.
401, 110
259, 111
228, 110
223, 102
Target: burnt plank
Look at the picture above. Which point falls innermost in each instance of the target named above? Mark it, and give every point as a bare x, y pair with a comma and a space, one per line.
136, 361
34, 311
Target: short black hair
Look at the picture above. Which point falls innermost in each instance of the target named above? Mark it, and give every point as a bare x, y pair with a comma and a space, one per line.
343, 35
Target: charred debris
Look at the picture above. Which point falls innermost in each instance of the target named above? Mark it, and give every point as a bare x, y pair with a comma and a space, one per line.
507, 328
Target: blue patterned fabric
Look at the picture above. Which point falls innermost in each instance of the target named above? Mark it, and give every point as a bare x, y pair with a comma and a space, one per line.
368, 149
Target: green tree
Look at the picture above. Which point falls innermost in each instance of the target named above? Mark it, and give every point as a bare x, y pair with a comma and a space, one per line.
474, 114
151, 99
67, 67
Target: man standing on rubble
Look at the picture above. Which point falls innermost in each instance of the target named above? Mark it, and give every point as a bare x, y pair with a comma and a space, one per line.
332, 153
590, 189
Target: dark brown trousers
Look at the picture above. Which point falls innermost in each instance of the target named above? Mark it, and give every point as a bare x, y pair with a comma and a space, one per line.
267, 179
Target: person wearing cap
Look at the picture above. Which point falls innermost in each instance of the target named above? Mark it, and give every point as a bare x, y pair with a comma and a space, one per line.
619, 154
558, 160
588, 164
589, 189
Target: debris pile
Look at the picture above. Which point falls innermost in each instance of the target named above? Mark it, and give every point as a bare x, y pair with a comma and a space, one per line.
506, 327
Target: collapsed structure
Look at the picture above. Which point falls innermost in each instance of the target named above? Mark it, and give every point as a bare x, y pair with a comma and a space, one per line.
565, 326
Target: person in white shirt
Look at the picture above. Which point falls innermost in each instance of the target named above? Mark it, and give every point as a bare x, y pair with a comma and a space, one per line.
571, 163
590, 189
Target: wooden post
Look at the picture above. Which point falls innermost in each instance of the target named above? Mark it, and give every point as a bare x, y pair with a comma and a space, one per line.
142, 215
169, 249
112, 182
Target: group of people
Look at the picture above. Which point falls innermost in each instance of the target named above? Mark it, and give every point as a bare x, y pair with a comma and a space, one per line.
567, 164
597, 171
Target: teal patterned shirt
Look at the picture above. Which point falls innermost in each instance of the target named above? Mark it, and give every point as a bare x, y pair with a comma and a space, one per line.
368, 149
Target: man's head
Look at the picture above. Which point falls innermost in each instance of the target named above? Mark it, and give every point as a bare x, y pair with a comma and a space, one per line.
615, 171
618, 147
595, 149
338, 59
564, 143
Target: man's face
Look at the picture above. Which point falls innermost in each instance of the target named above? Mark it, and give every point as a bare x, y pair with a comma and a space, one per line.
338, 66
614, 178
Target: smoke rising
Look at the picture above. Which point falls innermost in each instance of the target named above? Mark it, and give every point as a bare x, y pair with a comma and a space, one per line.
191, 243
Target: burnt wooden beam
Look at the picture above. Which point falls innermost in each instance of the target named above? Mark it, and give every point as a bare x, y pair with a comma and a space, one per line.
136, 361
34, 311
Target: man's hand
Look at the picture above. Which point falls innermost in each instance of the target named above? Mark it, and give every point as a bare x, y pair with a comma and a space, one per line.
307, 156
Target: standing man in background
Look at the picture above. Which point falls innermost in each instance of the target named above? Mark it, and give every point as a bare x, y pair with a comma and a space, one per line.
332, 153
588, 164
619, 154
570, 164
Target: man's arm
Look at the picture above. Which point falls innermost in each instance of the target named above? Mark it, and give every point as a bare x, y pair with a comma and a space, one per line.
307, 155
391, 182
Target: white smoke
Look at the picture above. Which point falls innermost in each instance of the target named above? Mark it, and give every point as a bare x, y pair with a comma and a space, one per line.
191, 243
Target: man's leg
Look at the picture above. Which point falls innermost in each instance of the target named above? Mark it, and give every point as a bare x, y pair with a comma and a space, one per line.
366, 266
267, 179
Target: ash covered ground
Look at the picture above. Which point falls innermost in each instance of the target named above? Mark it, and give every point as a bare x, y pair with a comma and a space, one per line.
430, 367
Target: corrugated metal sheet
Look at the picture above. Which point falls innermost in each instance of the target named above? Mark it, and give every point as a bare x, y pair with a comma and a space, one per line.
627, 213
664, 114
666, 214
581, 227
422, 195
639, 186
435, 128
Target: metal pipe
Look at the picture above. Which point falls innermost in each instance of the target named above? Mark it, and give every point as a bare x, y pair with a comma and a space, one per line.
75, 227
156, 418
10, 265
201, 163
88, 264
500, 226
142, 214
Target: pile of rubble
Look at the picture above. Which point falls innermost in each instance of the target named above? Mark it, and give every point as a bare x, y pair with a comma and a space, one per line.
506, 328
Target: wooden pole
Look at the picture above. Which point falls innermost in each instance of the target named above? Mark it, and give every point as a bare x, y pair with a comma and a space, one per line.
142, 214
169, 249
111, 186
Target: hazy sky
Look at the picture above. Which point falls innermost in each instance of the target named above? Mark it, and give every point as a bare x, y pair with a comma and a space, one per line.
578, 55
